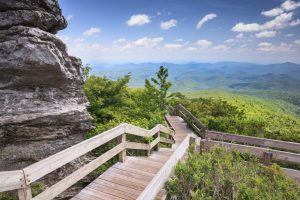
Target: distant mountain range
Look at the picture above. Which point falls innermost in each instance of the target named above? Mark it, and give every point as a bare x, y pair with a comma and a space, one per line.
221, 75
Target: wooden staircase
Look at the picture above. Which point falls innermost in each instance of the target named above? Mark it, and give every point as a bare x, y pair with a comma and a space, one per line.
142, 178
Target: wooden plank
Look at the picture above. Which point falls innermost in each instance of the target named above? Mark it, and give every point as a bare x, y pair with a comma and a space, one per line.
129, 174
117, 186
47, 165
135, 130
11, 180
133, 170
154, 130
166, 140
111, 191
141, 167
258, 151
195, 120
99, 194
166, 130
154, 142
263, 142
157, 182
294, 174
111, 174
123, 182
145, 162
138, 146
68, 181
24, 193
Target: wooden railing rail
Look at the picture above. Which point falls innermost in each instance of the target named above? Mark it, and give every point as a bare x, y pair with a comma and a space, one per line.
260, 152
203, 132
262, 142
20, 180
191, 120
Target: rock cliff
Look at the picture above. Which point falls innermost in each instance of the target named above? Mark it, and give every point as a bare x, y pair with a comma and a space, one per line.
42, 105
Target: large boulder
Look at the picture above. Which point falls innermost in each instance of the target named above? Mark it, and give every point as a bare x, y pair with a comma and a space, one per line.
42, 105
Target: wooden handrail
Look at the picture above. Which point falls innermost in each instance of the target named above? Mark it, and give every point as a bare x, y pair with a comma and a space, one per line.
259, 152
21, 179
262, 142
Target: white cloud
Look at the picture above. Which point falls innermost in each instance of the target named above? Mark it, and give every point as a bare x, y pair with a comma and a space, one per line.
268, 47
289, 35
79, 40
203, 43
290, 5
284, 7
158, 13
91, 31
281, 21
205, 19
69, 17
229, 40
148, 42
120, 40
168, 24
191, 49
240, 35
173, 46
264, 44
297, 42
221, 48
266, 34
273, 12
295, 22
138, 20
64, 38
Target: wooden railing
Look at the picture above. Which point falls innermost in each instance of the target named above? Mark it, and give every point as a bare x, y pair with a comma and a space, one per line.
191, 120
267, 150
20, 180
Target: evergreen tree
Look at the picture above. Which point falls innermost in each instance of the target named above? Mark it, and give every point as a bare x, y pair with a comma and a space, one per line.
158, 87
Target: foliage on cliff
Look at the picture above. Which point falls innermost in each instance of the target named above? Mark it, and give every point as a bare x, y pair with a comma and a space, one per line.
217, 175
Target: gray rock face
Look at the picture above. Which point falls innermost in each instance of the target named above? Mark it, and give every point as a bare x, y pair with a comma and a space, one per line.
42, 105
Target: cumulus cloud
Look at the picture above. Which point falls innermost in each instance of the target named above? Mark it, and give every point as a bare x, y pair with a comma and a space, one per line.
138, 20
221, 48
120, 40
295, 22
269, 47
203, 43
205, 19
240, 35
279, 22
284, 7
273, 12
289, 35
179, 40
148, 42
297, 42
290, 5
173, 46
91, 31
266, 34
168, 24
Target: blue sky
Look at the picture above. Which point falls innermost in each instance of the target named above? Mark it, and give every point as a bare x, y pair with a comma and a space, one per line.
122, 31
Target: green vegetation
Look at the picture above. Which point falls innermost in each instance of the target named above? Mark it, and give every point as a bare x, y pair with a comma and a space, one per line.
113, 102
219, 175
244, 115
36, 188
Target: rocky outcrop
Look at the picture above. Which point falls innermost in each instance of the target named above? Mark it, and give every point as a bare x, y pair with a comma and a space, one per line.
42, 106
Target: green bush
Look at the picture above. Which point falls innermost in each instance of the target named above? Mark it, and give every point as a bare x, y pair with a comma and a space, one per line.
219, 175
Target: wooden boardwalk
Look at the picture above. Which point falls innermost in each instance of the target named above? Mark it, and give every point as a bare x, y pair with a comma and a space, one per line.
127, 180
142, 178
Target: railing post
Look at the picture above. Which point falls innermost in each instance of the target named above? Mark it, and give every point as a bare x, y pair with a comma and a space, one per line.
267, 158
122, 154
24, 193
157, 136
